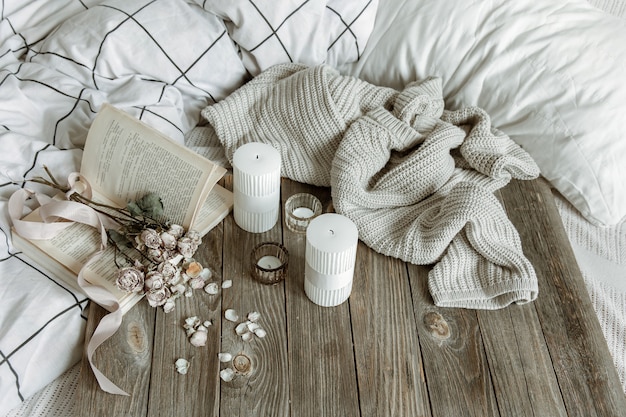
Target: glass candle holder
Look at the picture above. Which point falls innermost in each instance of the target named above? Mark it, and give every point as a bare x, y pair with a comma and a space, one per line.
300, 209
268, 262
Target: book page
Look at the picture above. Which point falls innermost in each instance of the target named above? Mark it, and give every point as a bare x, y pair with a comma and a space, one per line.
214, 210
71, 248
124, 159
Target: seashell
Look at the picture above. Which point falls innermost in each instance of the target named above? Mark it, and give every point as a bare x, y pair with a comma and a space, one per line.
252, 326
231, 315
212, 288
190, 331
169, 306
260, 332
227, 284
188, 292
246, 337
254, 316
225, 357
227, 374
199, 338
241, 329
182, 366
179, 288
207, 323
206, 274
191, 322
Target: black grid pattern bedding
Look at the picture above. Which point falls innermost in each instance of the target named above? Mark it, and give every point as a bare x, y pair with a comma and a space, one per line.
60, 60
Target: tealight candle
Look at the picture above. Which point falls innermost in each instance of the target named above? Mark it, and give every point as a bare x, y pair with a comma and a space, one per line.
256, 187
331, 244
300, 209
303, 212
268, 262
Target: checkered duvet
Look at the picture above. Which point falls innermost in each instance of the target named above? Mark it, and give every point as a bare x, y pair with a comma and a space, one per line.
160, 60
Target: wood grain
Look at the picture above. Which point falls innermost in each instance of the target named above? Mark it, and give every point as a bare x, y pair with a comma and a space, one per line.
388, 350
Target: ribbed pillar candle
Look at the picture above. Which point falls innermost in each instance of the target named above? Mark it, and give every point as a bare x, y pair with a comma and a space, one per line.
331, 243
256, 187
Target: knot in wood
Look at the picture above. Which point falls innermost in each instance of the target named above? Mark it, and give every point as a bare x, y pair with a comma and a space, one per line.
242, 364
136, 337
437, 325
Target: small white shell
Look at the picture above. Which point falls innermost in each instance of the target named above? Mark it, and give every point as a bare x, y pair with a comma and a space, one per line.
207, 323
227, 374
254, 316
190, 331
191, 322
182, 366
246, 337
169, 306
252, 326
241, 328
206, 274
260, 332
225, 357
212, 288
199, 338
188, 292
227, 284
231, 315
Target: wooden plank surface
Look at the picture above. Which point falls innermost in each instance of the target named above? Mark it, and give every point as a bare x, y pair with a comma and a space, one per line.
387, 351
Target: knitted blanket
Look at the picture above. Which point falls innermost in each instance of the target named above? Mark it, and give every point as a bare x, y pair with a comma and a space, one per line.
417, 180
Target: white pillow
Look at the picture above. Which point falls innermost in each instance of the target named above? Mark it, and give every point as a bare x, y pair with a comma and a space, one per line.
312, 32
551, 74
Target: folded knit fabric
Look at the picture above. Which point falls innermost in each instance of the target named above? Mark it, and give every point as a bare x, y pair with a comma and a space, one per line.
417, 180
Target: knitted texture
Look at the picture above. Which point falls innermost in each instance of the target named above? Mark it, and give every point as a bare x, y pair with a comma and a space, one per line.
303, 112
416, 179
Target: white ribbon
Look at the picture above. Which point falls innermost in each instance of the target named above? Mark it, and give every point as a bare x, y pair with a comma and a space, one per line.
54, 218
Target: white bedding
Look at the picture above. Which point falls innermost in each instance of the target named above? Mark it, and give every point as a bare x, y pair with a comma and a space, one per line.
60, 60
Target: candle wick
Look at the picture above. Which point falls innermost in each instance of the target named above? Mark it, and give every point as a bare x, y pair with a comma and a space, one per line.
257, 157
332, 232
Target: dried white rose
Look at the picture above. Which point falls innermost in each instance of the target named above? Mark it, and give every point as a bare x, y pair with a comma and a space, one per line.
130, 279
158, 297
187, 247
169, 240
179, 288
194, 236
157, 254
176, 230
168, 270
151, 238
169, 305
154, 280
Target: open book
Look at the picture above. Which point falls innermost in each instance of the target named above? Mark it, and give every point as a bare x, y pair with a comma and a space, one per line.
124, 159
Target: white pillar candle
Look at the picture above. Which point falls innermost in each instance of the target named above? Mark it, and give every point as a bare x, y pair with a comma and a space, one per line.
256, 187
331, 244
